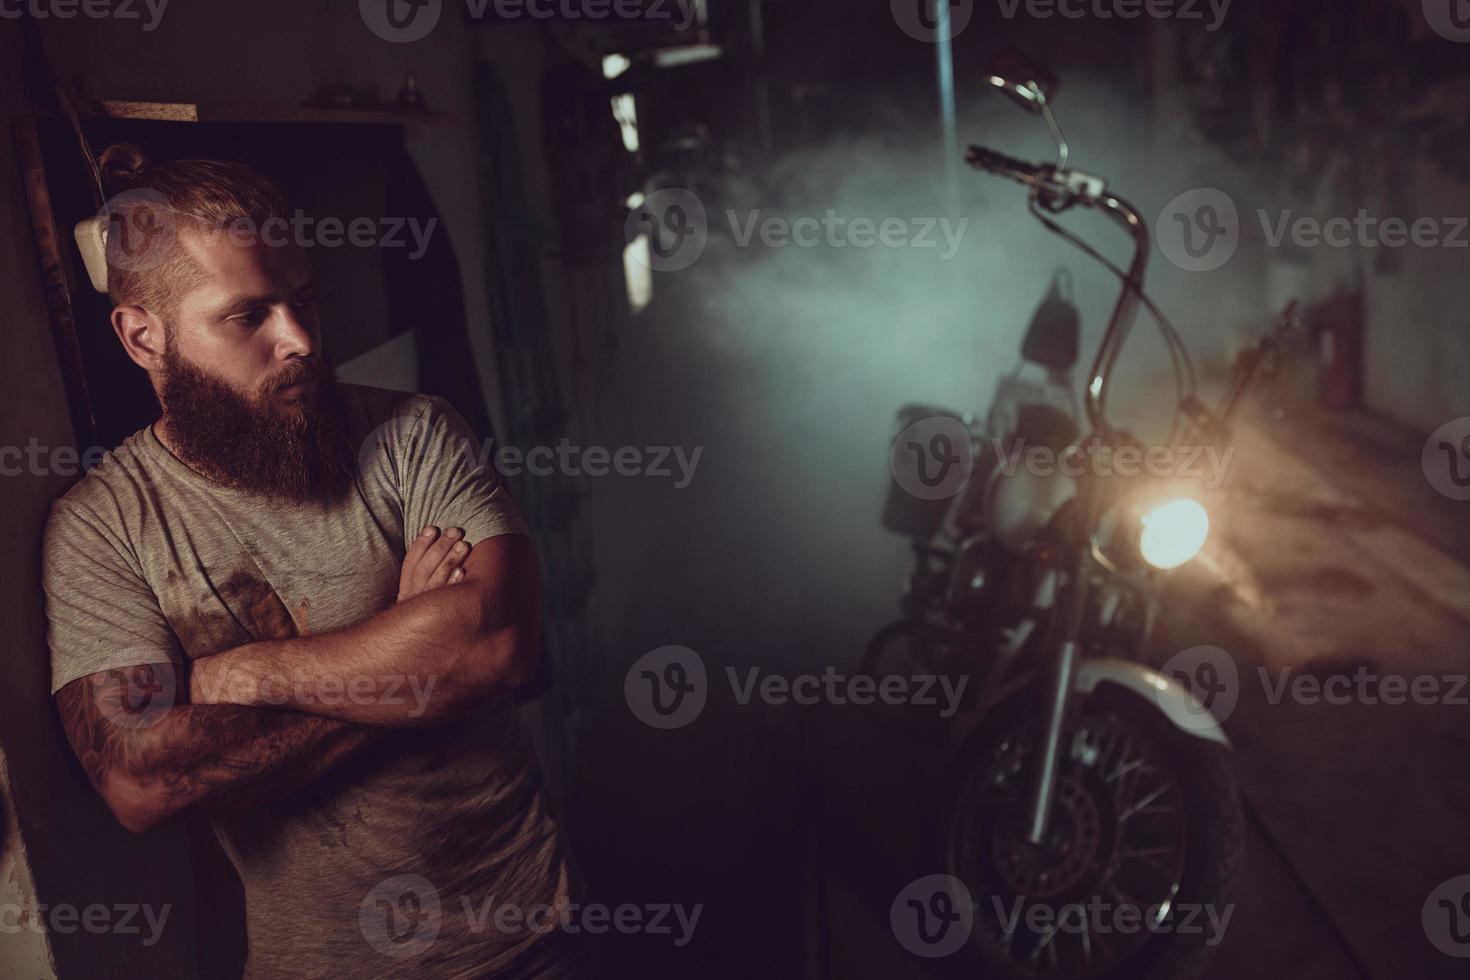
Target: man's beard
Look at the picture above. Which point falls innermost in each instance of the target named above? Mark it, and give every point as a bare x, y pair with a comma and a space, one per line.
250, 445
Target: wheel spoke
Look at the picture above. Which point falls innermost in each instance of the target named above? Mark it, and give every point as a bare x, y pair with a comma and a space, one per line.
1141, 806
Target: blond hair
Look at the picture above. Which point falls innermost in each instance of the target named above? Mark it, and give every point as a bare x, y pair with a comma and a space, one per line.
207, 195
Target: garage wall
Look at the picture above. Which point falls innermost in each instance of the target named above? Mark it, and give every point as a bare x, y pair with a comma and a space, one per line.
1418, 344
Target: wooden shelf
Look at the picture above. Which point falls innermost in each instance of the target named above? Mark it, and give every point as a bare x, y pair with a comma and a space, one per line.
203, 112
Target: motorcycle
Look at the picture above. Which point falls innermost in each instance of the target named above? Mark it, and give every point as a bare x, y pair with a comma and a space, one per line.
1093, 821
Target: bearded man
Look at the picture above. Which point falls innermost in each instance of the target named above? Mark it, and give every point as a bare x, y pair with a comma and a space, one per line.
300, 609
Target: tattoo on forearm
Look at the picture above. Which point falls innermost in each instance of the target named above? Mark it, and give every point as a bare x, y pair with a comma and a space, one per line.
198, 758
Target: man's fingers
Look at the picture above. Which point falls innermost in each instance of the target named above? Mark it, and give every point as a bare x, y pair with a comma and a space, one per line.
454, 557
418, 546
436, 551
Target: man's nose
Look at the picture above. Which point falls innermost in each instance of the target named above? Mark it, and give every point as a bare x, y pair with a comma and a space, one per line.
294, 336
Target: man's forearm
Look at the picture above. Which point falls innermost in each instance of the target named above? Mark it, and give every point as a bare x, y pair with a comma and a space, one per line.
417, 663
420, 661
198, 759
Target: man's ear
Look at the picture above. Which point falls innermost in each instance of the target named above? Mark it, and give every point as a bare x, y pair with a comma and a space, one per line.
141, 334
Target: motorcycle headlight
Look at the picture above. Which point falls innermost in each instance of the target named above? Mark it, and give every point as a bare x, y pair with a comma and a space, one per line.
1173, 532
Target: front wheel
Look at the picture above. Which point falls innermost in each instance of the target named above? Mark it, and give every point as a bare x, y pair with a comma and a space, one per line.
1132, 879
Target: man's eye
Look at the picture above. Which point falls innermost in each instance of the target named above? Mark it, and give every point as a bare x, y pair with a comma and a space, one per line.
254, 318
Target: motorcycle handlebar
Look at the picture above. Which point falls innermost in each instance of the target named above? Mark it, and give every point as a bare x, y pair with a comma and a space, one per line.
1048, 185
995, 162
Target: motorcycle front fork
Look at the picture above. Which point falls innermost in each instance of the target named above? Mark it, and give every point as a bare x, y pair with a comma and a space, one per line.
1066, 584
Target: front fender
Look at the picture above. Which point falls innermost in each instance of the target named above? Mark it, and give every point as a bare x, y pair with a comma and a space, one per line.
1176, 702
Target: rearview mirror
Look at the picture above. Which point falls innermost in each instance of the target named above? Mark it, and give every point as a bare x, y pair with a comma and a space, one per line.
1029, 84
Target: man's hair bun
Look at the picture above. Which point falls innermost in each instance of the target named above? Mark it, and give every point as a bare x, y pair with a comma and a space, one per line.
122, 165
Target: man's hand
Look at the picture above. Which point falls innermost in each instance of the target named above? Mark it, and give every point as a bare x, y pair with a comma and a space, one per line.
433, 559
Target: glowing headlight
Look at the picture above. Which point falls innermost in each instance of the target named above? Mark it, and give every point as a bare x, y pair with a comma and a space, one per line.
1173, 533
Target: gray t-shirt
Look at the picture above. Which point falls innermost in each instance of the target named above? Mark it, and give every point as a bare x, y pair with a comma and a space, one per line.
146, 561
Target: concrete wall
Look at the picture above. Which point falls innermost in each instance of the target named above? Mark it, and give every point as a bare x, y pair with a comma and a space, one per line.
1418, 343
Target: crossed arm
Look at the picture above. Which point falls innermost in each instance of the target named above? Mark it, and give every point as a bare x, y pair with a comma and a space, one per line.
215, 746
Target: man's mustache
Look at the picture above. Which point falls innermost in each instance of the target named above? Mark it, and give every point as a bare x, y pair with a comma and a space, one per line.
306, 369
